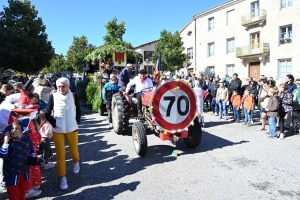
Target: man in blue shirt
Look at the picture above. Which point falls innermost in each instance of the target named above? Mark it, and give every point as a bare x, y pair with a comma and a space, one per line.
124, 76
108, 90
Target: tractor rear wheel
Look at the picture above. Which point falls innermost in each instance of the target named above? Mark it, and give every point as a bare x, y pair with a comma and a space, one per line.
120, 114
195, 135
139, 138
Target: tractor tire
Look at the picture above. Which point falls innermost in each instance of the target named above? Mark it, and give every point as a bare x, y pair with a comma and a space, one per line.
120, 114
139, 138
194, 136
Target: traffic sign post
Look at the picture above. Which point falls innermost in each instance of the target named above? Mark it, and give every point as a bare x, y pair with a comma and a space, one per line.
174, 106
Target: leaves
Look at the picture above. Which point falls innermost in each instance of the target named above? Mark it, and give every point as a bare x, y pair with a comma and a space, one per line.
24, 42
77, 52
171, 47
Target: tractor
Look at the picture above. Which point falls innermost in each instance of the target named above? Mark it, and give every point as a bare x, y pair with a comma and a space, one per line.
125, 107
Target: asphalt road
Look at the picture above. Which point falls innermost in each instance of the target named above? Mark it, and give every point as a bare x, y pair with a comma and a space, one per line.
232, 162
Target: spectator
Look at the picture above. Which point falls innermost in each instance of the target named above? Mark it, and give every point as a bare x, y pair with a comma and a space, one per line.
248, 103
222, 99
289, 80
252, 87
236, 103
296, 106
272, 109
235, 84
286, 101
5, 91
43, 90
213, 92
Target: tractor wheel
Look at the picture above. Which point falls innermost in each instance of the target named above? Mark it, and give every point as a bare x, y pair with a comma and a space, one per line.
195, 135
139, 138
120, 115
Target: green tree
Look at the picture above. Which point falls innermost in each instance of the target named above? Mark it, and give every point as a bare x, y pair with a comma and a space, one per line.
57, 64
77, 51
114, 33
171, 47
24, 44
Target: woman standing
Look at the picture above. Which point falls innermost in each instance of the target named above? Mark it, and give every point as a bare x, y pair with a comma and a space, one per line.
285, 106
65, 119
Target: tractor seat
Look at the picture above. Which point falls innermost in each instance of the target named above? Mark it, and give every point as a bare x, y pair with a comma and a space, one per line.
134, 100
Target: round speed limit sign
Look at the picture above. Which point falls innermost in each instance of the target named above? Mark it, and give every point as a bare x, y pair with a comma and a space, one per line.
174, 105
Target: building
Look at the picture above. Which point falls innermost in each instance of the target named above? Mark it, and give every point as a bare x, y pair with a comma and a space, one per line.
147, 50
247, 37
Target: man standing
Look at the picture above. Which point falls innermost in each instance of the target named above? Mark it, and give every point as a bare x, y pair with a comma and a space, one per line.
124, 76
141, 82
235, 84
222, 99
108, 90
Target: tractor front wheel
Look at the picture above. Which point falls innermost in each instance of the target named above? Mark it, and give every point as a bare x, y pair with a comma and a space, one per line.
139, 138
120, 114
195, 135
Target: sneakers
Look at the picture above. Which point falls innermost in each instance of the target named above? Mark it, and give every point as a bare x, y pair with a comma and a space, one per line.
49, 165
272, 137
110, 126
251, 121
63, 183
32, 193
36, 187
216, 114
76, 168
281, 136
220, 117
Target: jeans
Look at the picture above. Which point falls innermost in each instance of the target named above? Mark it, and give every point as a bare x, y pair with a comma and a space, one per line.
247, 116
236, 114
214, 105
222, 107
272, 126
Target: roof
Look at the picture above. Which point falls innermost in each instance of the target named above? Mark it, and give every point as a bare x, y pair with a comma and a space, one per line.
186, 25
217, 8
146, 44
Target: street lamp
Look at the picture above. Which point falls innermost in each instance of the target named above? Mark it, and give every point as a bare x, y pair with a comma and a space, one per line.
147, 61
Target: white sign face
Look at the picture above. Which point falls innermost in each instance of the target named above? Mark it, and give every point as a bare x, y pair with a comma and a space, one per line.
174, 107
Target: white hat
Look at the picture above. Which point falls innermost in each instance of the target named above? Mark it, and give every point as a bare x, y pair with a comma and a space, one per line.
129, 65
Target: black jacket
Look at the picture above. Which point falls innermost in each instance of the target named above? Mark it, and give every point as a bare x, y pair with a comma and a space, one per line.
235, 85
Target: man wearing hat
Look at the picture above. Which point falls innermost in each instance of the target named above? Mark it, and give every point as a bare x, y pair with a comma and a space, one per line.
124, 76
141, 82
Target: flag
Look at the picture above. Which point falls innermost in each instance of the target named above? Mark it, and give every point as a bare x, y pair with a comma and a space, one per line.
158, 69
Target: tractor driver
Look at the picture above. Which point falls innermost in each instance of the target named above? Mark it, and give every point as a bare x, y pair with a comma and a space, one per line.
141, 82
108, 90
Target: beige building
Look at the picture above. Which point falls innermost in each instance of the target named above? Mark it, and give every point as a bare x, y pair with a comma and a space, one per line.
147, 50
247, 37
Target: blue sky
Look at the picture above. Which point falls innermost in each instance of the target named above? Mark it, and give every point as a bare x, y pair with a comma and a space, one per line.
144, 19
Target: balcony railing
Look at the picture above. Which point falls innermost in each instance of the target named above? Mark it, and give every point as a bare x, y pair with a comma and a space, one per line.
254, 18
253, 50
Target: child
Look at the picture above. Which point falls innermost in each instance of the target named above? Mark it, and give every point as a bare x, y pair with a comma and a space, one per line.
272, 111
248, 102
45, 130
236, 102
18, 154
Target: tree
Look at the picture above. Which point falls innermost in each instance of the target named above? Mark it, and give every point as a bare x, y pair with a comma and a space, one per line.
114, 33
57, 64
24, 44
77, 51
171, 47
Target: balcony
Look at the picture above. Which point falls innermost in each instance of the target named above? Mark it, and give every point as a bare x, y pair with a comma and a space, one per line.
254, 18
259, 49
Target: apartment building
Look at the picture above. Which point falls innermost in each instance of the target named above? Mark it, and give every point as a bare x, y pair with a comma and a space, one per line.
248, 37
147, 50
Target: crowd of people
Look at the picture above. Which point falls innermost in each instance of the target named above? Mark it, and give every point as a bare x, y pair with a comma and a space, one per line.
31, 113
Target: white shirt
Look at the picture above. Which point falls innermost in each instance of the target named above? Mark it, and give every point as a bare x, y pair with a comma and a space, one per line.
139, 85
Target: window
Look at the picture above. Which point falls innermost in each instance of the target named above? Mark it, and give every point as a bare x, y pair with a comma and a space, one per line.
189, 33
230, 70
285, 67
211, 24
230, 45
210, 70
211, 49
190, 53
147, 55
286, 32
286, 3
230, 17
149, 69
255, 9
255, 39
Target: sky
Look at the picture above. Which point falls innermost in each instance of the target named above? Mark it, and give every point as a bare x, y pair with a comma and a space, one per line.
144, 19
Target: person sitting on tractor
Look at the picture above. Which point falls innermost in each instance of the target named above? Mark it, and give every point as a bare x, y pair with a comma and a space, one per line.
108, 90
141, 82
